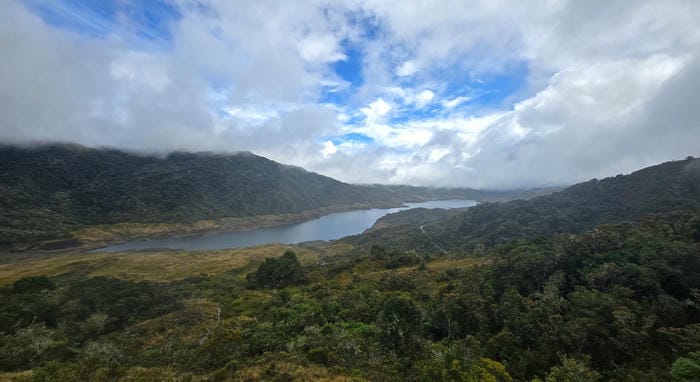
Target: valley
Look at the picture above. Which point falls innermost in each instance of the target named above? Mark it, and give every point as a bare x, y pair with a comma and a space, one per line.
349, 191
597, 279
63, 196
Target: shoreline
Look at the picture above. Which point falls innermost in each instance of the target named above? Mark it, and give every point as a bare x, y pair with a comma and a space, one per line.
120, 233
92, 238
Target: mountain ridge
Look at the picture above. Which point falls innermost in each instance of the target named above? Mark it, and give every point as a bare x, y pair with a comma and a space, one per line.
49, 191
669, 186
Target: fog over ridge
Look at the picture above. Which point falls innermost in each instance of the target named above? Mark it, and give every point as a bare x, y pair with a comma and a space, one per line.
478, 94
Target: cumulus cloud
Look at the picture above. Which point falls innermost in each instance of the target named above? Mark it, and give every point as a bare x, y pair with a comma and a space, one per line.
424, 97
606, 88
408, 68
376, 110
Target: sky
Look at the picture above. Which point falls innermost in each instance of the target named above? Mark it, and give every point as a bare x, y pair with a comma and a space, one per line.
485, 94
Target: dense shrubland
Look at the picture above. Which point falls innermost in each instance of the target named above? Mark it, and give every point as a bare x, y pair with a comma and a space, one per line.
619, 302
598, 282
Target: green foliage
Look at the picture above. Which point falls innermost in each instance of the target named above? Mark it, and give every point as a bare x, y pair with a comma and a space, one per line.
456, 363
399, 323
666, 187
99, 361
398, 260
686, 369
618, 302
278, 272
393, 259
123, 302
48, 191
32, 284
27, 347
572, 370
38, 324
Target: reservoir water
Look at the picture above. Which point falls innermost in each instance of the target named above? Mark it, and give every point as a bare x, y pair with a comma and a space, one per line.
327, 227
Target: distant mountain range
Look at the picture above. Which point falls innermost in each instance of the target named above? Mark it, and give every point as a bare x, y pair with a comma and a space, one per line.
48, 191
667, 187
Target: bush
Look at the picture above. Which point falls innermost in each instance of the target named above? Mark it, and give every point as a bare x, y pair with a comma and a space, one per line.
32, 284
398, 260
686, 368
277, 273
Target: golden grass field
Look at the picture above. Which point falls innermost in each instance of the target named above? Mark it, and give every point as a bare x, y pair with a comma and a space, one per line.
155, 266
177, 265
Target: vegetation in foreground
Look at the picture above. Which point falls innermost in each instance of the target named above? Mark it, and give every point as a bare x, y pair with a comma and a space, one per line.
619, 302
517, 291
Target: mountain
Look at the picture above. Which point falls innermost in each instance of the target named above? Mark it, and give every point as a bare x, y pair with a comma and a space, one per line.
666, 187
48, 191
617, 303
596, 282
52, 189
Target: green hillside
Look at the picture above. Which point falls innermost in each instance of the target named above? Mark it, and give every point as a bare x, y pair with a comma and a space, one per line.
619, 303
666, 187
597, 282
48, 191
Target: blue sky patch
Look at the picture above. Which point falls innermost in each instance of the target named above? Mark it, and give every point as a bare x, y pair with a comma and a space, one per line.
95, 19
352, 137
350, 69
490, 90
409, 113
148, 20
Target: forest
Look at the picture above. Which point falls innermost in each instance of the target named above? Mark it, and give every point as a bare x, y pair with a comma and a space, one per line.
48, 192
670, 186
598, 282
349, 191
619, 302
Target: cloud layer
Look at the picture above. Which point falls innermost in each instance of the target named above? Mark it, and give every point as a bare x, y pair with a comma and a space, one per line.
449, 93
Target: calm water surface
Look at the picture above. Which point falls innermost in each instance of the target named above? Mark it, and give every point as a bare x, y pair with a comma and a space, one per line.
328, 227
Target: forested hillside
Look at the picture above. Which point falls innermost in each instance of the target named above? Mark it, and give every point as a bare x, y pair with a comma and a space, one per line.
666, 187
513, 296
616, 303
47, 191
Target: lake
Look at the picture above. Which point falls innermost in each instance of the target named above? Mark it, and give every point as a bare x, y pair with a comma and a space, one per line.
327, 227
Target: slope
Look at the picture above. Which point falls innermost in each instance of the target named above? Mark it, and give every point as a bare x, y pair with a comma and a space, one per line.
666, 187
48, 191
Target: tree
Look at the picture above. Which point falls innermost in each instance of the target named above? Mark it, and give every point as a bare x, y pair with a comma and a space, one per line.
399, 323
32, 284
686, 369
572, 370
277, 272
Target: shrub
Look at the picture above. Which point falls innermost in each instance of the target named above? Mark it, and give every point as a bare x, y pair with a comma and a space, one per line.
277, 273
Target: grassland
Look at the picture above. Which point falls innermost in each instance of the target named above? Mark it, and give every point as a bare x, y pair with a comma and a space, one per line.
167, 266
152, 266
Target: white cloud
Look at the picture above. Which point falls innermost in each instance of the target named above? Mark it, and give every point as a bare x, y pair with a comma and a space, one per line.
454, 102
320, 49
409, 96
377, 110
408, 68
423, 98
251, 115
329, 148
603, 94
141, 70
403, 136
